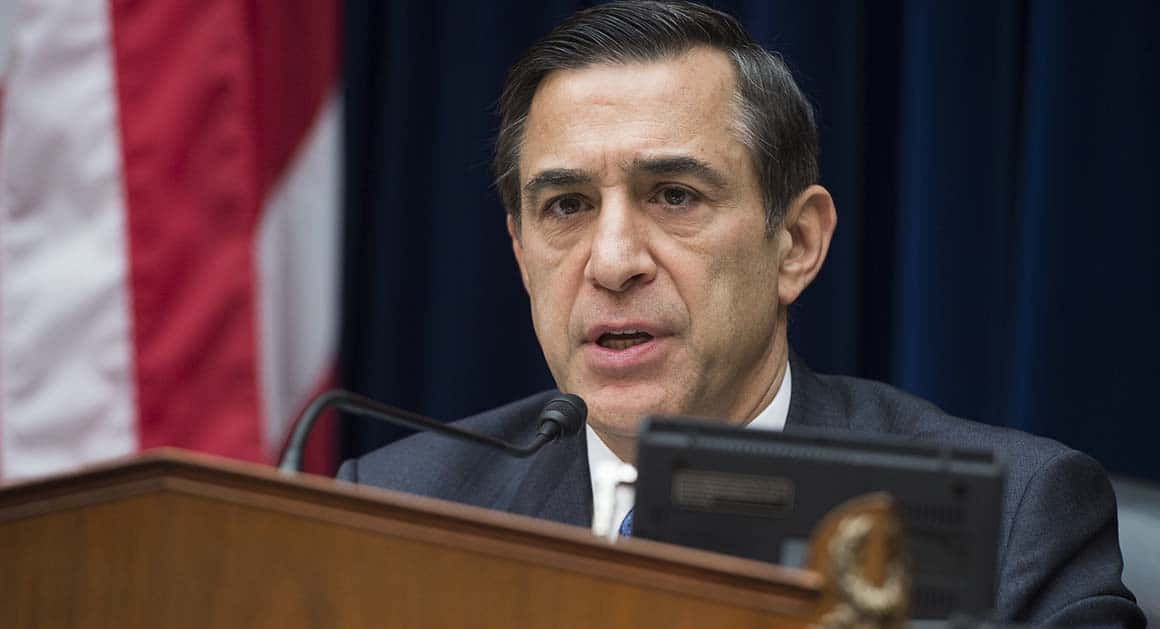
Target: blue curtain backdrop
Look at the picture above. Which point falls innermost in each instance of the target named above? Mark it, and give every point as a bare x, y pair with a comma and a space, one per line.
993, 162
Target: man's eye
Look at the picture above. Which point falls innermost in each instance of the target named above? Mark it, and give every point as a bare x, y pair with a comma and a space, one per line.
566, 205
676, 197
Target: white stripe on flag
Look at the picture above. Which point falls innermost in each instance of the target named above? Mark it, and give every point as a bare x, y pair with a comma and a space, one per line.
298, 248
66, 376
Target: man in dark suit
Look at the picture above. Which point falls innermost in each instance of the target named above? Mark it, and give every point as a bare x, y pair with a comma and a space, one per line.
659, 170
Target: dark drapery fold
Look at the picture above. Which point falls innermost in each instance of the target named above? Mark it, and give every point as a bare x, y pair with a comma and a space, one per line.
994, 166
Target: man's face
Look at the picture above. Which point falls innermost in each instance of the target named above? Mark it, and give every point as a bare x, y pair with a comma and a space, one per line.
642, 243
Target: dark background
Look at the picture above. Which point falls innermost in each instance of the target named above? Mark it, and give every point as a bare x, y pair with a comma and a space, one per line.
993, 163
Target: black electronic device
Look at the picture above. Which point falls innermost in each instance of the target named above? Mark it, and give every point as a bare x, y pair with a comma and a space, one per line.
759, 493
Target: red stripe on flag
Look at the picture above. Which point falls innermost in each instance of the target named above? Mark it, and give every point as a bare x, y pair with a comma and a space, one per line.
186, 103
214, 98
296, 46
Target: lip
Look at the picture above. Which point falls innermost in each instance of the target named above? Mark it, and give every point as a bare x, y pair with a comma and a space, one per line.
619, 362
595, 332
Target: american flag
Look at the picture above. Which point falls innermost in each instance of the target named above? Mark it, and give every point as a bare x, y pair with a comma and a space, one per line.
169, 225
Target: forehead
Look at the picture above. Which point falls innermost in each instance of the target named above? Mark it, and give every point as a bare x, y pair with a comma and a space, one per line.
604, 115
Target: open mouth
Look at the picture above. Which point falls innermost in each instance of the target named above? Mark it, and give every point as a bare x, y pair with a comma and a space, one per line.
623, 339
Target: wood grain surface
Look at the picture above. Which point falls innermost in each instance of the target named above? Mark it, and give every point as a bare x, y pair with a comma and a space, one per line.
179, 540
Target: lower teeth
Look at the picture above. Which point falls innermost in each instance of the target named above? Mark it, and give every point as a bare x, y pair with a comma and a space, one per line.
623, 343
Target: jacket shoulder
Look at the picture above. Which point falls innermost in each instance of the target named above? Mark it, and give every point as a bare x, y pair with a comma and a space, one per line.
440, 466
873, 406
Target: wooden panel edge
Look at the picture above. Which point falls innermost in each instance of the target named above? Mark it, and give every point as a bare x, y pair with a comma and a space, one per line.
717, 577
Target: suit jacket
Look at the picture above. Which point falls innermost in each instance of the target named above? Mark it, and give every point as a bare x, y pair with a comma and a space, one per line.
1059, 555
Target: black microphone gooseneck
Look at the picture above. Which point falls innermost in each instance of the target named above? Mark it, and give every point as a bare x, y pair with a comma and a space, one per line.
562, 415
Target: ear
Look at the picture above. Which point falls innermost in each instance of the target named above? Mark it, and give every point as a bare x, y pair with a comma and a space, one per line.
517, 249
805, 234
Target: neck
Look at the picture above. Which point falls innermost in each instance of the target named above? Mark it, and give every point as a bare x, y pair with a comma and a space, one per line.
623, 447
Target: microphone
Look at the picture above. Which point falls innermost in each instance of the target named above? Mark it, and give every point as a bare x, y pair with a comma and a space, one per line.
563, 415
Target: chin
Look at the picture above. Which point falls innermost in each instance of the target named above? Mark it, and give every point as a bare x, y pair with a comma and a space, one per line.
620, 411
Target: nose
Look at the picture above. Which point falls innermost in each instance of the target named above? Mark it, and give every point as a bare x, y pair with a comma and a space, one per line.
620, 257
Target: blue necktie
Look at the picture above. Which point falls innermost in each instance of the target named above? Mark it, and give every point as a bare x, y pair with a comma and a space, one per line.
626, 525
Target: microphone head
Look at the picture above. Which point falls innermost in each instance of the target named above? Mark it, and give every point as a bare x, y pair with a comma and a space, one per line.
566, 410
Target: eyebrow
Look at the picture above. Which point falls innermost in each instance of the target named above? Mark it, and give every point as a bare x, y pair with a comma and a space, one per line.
674, 166
656, 166
556, 178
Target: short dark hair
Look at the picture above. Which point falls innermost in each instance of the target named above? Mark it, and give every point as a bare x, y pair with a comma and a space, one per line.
775, 121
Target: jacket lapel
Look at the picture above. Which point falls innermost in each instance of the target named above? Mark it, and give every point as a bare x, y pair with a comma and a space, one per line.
812, 402
556, 485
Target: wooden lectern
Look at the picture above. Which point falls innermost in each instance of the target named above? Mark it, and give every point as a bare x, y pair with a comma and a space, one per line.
174, 539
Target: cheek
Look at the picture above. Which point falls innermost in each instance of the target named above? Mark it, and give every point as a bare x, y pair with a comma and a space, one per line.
736, 305
551, 293
541, 297
754, 300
